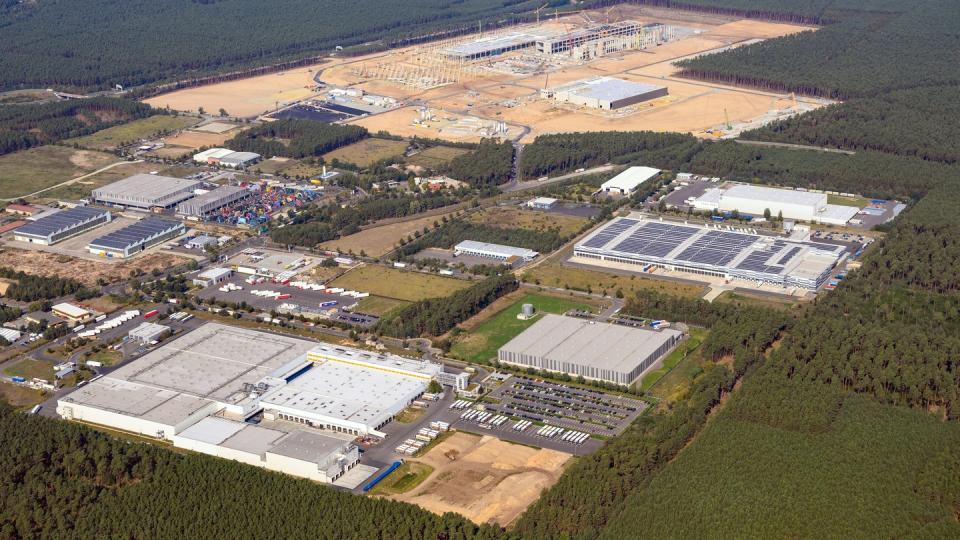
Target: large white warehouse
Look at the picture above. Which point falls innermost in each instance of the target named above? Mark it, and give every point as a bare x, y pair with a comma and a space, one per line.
199, 390
791, 204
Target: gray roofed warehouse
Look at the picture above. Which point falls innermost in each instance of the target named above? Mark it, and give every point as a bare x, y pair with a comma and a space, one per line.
599, 351
136, 238
212, 201
146, 191
62, 225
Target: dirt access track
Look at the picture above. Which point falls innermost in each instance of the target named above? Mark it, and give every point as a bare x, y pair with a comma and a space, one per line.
484, 479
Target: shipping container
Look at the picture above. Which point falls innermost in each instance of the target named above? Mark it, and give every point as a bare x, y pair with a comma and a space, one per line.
151, 313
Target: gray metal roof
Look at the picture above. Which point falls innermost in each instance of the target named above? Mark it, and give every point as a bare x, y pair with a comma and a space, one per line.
609, 89
308, 446
587, 343
61, 221
136, 233
149, 189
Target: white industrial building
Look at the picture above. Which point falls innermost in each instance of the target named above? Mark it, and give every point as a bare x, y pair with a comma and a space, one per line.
598, 351
212, 276
497, 44
226, 158
605, 93
498, 252
542, 203
146, 191
148, 332
213, 200
629, 180
791, 204
200, 389
10, 334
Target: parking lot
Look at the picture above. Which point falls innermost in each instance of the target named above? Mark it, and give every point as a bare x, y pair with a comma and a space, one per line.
536, 403
306, 299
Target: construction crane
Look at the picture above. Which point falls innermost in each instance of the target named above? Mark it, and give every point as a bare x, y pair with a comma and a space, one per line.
538, 10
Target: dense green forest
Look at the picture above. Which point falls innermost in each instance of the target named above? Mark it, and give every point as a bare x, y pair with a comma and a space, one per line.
57, 43
295, 138
31, 287
564, 152
319, 224
489, 164
61, 480
29, 125
435, 316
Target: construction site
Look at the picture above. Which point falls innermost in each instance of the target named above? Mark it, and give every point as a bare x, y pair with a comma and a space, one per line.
600, 70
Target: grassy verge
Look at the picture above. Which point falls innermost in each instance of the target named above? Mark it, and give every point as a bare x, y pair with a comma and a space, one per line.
20, 397
112, 137
30, 369
406, 477
685, 351
551, 274
398, 284
480, 344
378, 305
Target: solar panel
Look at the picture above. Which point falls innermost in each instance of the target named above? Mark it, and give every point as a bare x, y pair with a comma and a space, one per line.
135, 233
609, 232
60, 221
789, 255
655, 239
716, 247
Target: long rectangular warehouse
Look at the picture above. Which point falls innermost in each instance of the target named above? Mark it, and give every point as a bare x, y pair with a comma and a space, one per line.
598, 351
135, 238
146, 191
62, 225
710, 251
790, 204
605, 93
212, 201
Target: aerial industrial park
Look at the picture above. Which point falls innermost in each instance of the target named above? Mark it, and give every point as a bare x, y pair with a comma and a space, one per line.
466, 269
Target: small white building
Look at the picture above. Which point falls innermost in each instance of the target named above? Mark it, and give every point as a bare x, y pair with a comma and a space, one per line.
10, 334
542, 203
212, 276
507, 254
629, 180
148, 332
71, 313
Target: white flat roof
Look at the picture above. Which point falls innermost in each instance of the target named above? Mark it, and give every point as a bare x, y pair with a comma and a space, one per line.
214, 273
498, 249
212, 153
837, 214
71, 310
543, 200
611, 89
631, 178
775, 195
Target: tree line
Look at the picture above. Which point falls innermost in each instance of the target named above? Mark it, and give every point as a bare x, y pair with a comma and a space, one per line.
436, 316
457, 230
489, 164
295, 138
32, 287
29, 125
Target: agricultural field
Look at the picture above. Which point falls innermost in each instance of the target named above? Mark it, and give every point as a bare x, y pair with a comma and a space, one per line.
30, 369
29, 171
435, 156
111, 138
398, 284
513, 217
367, 151
380, 240
551, 274
481, 477
480, 344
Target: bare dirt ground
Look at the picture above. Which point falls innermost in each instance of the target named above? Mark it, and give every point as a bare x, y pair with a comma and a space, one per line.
485, 479
197, 139
244, 97
84, 271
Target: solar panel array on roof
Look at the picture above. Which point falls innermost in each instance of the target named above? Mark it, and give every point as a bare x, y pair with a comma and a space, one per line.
62, 221
655, 239
789, 255
610, 232
136, 233
756, 261
716, 247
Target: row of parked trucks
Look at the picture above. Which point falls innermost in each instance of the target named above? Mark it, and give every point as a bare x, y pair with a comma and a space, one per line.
566, 435
84, 332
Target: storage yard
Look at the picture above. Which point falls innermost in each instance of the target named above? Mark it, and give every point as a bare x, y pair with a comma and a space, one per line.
713, 251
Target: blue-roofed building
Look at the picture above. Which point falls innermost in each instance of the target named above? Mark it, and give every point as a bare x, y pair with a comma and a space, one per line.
61, 225
135, 238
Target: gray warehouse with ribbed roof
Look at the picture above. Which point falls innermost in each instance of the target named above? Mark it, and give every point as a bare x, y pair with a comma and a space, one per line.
146, 191
594, 350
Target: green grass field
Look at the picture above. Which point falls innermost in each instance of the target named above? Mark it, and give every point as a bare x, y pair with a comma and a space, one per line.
406, 477
25, 172
81, 189
105, 357
398, 284
112, 137
30, 369
367, 151
859, 202
435, 156
378, 305
551, 274
868, 471
684, 353
480, 344
275, 165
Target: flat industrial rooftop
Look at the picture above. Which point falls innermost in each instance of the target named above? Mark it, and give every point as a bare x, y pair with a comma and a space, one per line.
738, 253
211, 363
136, 233
61, 220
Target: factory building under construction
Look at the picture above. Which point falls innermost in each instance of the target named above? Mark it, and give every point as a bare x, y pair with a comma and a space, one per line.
274, 401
